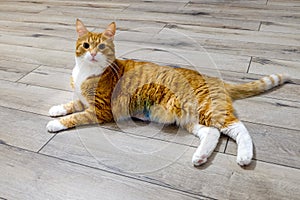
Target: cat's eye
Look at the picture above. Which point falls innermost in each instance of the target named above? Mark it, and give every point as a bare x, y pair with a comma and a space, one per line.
86, 45
101, 46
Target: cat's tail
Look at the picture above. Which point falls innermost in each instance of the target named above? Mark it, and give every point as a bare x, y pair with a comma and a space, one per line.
240, 91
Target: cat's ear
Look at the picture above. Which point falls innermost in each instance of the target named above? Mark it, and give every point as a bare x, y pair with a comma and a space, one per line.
110, 30
80, 28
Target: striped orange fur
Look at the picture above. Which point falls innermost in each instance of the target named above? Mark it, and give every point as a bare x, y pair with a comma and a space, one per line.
111, 89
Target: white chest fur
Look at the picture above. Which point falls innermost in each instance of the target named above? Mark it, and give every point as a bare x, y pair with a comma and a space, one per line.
80, 74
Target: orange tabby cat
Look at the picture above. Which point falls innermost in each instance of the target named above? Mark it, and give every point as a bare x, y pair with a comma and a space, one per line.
109, 89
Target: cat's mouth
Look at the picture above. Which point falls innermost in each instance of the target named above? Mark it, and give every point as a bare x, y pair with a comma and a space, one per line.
94, 60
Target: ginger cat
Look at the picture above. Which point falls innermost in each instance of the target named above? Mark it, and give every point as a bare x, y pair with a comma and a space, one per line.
109, 89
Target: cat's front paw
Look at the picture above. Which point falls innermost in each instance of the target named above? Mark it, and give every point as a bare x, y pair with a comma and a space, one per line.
244, 157
56, 111
55, 126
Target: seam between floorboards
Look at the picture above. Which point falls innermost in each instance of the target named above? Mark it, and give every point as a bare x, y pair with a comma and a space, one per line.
249, 65
259, 26
46, 143
17, 81
226, 145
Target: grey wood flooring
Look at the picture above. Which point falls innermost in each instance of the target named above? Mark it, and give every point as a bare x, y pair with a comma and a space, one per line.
236, 40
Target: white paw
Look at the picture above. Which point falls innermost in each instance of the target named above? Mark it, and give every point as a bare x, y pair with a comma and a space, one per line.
199, 159
244, 157
55, 126
57, 111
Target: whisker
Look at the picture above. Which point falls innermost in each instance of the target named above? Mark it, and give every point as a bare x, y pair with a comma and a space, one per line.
114, 67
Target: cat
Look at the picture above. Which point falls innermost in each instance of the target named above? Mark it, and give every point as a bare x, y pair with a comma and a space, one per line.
110, 89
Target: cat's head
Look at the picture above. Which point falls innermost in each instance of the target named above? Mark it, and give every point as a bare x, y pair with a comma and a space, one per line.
95, 48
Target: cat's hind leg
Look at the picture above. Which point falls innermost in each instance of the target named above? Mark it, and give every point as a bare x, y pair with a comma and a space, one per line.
240, 134
64, 109
209, 137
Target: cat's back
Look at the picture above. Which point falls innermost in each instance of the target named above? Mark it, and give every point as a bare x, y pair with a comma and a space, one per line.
139, 73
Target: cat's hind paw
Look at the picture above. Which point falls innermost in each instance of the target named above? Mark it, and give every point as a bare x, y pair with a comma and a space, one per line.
244, 158
199, 160
55, 126
56, 111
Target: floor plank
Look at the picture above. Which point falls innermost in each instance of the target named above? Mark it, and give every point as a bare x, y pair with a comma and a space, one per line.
23, 129
37, 56
83, 3
251, 12
44, 76
66, 15
288, 51
273, 112
230, 2
233, 34
280, 27
13, 71
290, 3
26, 98
266, 66
33, 176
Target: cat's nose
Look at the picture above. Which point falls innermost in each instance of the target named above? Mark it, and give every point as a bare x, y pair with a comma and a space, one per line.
93, 54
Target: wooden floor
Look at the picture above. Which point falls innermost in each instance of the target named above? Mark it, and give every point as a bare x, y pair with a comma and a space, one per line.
233, 39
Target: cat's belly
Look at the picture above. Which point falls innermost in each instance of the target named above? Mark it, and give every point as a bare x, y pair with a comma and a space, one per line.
154, 113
